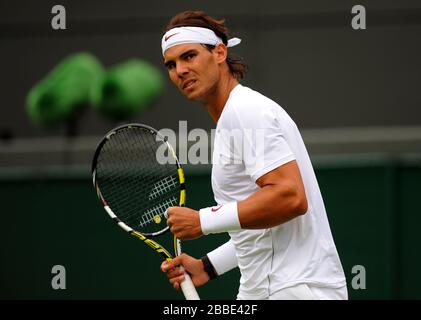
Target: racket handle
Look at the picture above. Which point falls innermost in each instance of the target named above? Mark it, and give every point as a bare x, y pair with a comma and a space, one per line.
188, 288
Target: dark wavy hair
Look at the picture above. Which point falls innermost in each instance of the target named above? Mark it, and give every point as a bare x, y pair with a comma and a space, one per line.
236, 64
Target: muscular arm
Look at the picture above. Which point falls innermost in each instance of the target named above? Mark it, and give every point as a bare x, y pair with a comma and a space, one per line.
281, 197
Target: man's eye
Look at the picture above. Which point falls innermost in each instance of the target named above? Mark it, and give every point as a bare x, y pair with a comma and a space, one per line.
170, 66
190, 56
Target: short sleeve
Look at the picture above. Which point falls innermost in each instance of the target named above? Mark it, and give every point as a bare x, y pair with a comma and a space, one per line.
264, 145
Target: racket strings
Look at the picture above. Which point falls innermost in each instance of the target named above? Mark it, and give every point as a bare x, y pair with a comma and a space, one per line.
136, 187
158, 210
163, 186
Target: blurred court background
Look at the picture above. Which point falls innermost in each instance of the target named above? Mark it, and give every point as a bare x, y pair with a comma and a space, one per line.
355, 94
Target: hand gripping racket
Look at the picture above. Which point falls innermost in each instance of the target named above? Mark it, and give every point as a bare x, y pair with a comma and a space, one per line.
136, 186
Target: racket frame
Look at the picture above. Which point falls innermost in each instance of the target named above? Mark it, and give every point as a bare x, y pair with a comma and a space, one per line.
187, 285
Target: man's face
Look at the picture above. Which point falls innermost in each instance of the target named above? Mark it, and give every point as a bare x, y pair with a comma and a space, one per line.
193, 69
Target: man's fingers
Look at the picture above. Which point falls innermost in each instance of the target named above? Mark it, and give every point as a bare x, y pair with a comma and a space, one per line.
176, 282
174, 273
172, 264
168, 212
168, 265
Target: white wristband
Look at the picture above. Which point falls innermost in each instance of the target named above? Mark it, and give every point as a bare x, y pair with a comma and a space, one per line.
219, 219
223, 258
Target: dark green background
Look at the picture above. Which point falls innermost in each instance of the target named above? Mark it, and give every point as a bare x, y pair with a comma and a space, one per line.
55, 219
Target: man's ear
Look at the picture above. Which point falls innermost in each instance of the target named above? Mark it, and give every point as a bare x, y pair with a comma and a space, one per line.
221, 53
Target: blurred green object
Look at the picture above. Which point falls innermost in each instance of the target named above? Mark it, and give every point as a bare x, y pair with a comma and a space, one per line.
69, 86
128, 88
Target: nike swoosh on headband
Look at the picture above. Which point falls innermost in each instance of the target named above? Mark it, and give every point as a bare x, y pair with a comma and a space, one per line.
167, 37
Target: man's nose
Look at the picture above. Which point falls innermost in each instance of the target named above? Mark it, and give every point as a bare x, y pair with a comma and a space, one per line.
182, 69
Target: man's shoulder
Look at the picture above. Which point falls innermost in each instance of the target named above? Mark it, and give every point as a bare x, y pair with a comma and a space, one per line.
249, 103
249, 108
247, 96
246, 108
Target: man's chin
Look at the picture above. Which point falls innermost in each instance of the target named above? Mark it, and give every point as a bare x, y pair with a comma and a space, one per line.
192, 96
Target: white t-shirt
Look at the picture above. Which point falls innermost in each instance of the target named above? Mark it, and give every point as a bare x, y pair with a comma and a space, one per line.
254, 135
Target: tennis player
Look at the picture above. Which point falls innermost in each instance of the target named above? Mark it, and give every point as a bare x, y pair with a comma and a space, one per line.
266, 191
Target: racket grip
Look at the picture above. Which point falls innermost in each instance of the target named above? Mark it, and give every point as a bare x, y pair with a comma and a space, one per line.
188, 288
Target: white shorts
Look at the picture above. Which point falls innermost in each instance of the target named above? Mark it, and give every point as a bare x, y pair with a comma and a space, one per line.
305, 291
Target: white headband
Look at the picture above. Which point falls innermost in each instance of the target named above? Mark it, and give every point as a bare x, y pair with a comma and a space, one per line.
183, 35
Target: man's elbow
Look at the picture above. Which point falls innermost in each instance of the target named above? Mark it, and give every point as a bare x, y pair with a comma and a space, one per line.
300, 206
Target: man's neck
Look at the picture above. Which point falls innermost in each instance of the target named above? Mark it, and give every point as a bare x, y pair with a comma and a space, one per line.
216, 103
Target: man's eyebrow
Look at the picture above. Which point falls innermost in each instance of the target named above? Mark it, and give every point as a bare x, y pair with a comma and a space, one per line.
188, 52
184, 54
166, 63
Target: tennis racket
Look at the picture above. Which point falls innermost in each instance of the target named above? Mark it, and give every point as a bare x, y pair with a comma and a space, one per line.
136, 186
